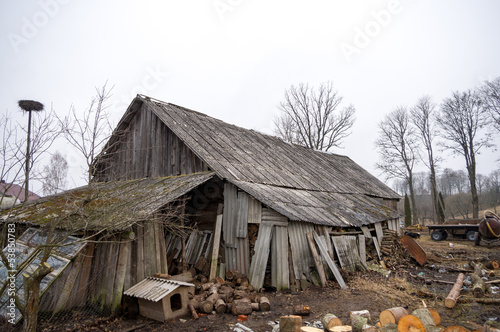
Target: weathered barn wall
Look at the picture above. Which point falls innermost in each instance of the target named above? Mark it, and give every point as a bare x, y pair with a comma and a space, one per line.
147, 148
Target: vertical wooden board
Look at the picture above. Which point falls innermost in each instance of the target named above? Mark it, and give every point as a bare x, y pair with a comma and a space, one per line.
149, 249
324, 231
398, 226
84, 280
140, 252
228, 225
279, 264
163, 250
111, 272
242, 215
121, 271
259, 260
215, 249
157, 239
362, 249
347, 251
366, 232
380, 233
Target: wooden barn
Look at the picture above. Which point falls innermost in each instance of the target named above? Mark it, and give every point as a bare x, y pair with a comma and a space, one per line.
243, 200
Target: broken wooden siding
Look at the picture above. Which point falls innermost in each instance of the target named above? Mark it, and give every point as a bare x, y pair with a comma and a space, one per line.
146, 147
301, 256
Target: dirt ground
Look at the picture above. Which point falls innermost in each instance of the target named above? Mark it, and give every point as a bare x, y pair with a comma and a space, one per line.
409, 285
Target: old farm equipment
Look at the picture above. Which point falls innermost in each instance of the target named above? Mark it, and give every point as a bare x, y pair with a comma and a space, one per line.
488, 229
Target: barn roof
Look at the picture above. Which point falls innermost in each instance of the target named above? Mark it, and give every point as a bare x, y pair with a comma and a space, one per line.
114, 205
274, 171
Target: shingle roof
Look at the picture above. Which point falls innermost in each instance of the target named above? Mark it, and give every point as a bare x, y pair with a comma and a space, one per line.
277, 173
114, 205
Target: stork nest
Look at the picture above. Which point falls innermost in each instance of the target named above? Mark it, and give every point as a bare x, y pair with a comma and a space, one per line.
30, 105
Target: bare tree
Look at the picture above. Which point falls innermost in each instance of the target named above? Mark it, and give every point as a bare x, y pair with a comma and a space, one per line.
55, 174
397, 145
490, 94
313, 117
89, 132
461, 120
423, 116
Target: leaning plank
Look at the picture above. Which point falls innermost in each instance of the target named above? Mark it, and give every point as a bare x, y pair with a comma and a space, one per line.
329, 261
215, 250
451, 299
314, 252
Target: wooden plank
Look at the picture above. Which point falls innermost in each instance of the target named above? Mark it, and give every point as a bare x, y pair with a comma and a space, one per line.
157, 238
366, 232
140, 252
362, 249
329, 261
254, 211
83, 283
215, 248
377, 247
259, 260
163, 250
329, 245
69, 283
110, 276
347, 251
121, 271
317, 262
378, 230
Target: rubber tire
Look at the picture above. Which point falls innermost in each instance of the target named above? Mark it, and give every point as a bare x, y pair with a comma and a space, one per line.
436, 235
445, 234
471, 236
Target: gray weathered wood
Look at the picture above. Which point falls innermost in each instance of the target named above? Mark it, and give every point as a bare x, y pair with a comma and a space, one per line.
279, 264
259, 260
378, 230
329, 261
347, 251
317, 262
215, 250
362, 249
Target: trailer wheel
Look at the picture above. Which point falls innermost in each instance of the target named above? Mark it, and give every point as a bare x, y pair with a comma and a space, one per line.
436, 235
445, 234
471, 235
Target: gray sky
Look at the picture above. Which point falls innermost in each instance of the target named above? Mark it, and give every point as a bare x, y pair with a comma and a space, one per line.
233, 59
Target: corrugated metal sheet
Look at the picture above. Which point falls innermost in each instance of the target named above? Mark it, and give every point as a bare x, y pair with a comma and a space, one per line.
301, 254
154, 289
279, 265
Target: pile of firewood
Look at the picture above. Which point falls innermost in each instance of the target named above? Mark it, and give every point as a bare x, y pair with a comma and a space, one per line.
390, 320
233, 295
394, 254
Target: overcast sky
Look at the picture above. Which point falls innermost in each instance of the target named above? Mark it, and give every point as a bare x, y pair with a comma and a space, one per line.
233, 59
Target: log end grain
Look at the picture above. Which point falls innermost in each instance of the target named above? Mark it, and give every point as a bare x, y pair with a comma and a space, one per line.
410, 323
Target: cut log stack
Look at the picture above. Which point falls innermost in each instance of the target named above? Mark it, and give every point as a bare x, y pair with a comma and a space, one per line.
393, 252
233, 295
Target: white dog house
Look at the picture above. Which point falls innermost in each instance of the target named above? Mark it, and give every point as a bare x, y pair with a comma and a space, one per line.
161, 299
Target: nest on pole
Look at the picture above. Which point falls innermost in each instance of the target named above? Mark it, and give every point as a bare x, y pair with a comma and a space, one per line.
30, 105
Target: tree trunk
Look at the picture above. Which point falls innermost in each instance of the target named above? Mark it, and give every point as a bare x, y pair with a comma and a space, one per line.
451, 299
32, 296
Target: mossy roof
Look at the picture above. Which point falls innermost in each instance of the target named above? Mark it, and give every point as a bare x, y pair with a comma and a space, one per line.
112, 205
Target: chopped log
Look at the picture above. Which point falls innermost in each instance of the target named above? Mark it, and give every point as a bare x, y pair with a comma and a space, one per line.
301, 310
357, 322
202, 264
205, 287
362, 313
425, 316
219, 280
389, 327
456, 328
220, 306
392, 315
264, 303
493, 265
310, 329
234, 274
193, 311
243, 281
435, 316
255, 306
207, 306
239, 294
451, 299
341, 328
410, 323
290, 323
329, 321
241, 307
